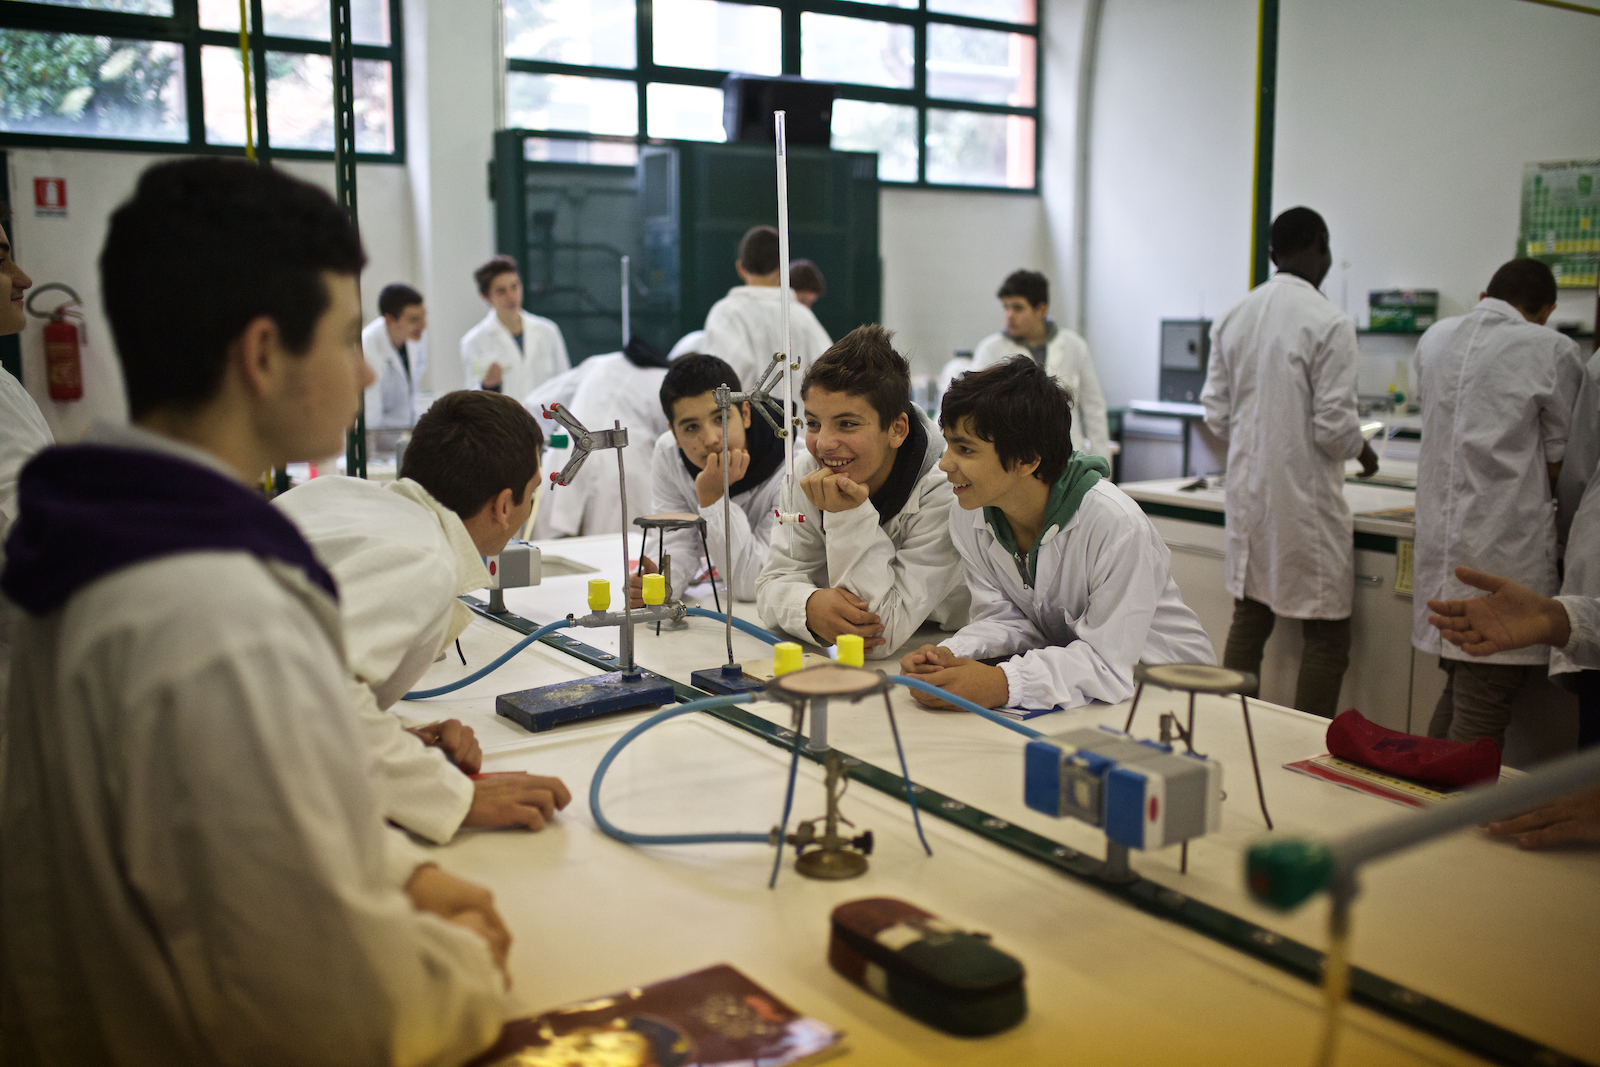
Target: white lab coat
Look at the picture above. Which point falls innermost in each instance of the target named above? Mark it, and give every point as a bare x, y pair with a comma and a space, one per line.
394, 399
1281, 390
693, 341
1583, 647
1581, 574
751, 516
543, 353
1067, 360
23, 432
609, 389
906, 570
745, 328
401, 558
1103, 601
197, 870
1497, 394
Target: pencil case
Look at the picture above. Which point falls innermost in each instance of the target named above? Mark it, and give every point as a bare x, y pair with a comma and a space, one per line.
948, 978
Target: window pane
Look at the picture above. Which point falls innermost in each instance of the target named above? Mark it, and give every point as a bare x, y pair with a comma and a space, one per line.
887, 129
707, 35
895, 3
684, 112
859, 51
136, 7
981, 65
310, 19
998, 10
967, 148
68, 83
604, 153
299, 101
563, 102
590, 33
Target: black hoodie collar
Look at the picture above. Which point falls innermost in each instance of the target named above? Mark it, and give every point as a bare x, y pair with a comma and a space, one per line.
87, 511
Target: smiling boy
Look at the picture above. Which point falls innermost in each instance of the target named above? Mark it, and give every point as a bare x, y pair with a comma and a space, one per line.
1068, 577
872, 555
687, 476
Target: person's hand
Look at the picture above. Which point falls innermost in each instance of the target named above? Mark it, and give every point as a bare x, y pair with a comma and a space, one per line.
636, 583
1511, 616
980, 683
516, 799
456, 740
828, 491
831, 612
492, 376
463, 903
926, 660
708, 483
1571, 820
1368, 460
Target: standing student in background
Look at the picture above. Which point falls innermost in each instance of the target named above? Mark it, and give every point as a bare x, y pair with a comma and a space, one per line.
1281, 390
397, 355
1029, 331
1497, 390
511, 350
745, 327
806, 279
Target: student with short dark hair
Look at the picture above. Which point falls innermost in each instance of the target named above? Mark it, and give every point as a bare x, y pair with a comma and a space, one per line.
197, 868
873, 555
511, 350
744, 328
687, 476
1029, 331
1071, 584
806, 279
397, 355
1498, 391
401, 553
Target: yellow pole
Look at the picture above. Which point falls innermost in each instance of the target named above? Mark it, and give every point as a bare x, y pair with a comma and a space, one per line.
244, 58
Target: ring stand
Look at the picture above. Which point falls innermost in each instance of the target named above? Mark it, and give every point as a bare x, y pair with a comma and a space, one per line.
673, 520
1195, 678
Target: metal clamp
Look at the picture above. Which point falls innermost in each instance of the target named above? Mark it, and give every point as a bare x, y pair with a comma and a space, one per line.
584, 441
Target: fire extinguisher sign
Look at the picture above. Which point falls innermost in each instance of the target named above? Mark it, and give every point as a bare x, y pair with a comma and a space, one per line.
50, 198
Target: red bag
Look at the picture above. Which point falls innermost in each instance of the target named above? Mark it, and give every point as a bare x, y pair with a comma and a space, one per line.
1430, 760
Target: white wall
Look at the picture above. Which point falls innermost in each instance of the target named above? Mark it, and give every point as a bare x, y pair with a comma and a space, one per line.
1169, 177
1404, 122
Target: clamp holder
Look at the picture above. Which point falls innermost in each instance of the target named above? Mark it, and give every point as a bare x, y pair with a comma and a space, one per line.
584, 441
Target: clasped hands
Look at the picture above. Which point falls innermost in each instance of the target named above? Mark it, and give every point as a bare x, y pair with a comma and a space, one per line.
980, 683
828, 491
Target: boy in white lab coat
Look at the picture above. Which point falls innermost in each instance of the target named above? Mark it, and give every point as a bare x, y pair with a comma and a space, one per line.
745, 327
401, 554
1281, 390
197, 869
872, 555
511, 350
688, 477
397, 355
1029, 331
1497, 390
1069, 579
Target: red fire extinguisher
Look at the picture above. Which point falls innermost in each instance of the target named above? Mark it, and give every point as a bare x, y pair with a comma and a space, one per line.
64, 335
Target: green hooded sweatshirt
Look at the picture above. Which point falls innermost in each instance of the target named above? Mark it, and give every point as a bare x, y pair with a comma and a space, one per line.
1079, 477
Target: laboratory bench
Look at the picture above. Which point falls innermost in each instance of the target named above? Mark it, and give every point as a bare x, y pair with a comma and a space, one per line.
1388, 680
1192, 972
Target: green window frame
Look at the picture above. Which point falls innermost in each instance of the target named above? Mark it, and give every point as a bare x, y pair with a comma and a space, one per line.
919, 19
182, 28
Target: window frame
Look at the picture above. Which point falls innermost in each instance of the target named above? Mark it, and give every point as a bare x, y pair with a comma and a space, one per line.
646, 70
182, 27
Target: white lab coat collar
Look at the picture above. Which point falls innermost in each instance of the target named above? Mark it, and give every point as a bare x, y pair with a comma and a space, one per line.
1286, 278
470, 572
1493, 305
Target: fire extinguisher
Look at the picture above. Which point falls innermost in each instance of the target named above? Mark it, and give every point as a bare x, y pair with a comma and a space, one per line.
64, 335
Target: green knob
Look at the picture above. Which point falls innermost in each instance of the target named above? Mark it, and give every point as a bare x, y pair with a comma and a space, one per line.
1284, 871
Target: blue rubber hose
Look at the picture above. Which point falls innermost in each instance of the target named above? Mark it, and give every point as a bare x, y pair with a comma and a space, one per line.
965, 705
627, 837
494, 665
748, 627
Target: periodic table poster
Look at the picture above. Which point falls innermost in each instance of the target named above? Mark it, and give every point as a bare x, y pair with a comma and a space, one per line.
1561, 219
